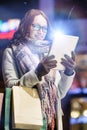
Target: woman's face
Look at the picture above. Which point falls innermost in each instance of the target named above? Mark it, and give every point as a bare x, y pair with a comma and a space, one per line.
38, 29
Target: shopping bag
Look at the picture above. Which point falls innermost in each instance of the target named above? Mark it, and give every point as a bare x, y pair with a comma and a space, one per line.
1, 108
26, 111
7, 118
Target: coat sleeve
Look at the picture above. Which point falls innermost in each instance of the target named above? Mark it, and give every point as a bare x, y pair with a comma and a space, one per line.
64, 83
10, 74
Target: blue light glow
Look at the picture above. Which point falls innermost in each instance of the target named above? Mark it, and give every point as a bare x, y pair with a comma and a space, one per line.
11, 24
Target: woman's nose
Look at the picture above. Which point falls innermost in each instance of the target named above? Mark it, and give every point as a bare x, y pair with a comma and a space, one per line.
40, 30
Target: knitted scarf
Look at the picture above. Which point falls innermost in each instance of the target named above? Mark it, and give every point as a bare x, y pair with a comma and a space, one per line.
27, 54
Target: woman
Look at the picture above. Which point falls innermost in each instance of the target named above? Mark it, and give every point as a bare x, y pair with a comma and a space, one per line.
27, 63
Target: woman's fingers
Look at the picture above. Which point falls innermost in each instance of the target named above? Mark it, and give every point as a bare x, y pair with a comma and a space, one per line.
67, 65
73, 55
68, 61
49, 62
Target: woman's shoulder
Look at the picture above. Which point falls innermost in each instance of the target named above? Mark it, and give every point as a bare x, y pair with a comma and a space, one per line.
7, 51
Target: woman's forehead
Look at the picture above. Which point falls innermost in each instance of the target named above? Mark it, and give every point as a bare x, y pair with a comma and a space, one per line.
39, 19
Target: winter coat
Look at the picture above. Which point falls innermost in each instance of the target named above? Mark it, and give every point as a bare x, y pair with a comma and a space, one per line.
29, 79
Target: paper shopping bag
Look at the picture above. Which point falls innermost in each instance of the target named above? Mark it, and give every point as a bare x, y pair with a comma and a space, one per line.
26, 108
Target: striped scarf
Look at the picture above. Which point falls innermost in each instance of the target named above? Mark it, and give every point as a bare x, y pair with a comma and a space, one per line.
47, 89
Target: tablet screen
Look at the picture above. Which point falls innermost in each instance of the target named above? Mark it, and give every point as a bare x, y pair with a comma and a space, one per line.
64, 44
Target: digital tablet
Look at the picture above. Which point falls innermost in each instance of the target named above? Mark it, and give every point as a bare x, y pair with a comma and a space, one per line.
63, 44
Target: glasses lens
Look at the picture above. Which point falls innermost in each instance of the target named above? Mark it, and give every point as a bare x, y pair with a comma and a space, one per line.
37, 27
44, 29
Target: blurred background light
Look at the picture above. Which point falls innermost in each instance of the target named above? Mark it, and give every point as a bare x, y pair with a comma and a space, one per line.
9, 25
8, 28
75, 114
85, 113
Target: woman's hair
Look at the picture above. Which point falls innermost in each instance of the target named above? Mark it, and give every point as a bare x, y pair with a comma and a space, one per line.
26, 22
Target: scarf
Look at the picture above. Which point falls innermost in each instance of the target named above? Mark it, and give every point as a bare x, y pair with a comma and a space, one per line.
28, 55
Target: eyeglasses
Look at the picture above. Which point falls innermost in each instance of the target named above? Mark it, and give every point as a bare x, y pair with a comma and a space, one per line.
37, 27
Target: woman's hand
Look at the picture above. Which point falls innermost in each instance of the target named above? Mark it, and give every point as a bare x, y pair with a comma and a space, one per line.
69, 63
46, 64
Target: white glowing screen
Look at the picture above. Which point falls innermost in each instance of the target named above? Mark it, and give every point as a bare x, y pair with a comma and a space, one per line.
63, 44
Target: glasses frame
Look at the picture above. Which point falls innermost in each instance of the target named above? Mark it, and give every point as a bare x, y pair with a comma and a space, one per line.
38, 27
